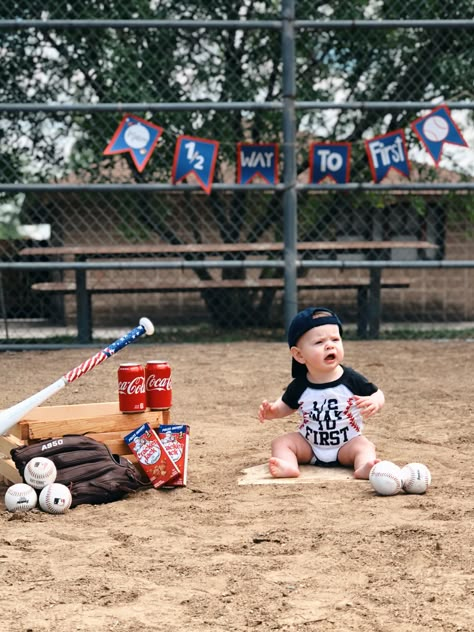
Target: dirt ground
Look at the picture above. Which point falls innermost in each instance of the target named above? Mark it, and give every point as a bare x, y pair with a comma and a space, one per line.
216, 555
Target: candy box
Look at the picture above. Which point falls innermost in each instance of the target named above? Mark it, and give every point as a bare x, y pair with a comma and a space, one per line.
175, 439
152, 455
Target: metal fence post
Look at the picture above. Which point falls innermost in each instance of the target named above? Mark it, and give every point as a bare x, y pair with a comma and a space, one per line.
290, 200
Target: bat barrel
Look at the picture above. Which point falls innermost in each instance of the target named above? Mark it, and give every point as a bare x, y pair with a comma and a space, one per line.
10, 416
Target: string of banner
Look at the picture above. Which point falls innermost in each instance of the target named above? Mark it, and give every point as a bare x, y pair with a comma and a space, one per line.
327, 160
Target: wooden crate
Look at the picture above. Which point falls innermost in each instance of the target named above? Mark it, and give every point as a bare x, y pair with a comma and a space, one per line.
103, 422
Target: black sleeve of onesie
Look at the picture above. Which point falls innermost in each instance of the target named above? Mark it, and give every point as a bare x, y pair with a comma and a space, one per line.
291, 396
357, 383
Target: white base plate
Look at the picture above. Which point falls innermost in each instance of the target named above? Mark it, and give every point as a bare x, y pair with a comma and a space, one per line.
260, 475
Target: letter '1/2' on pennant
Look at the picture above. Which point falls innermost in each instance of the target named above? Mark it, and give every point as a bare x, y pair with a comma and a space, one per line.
197, 156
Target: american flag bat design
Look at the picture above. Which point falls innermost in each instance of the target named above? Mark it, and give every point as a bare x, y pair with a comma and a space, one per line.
10, 416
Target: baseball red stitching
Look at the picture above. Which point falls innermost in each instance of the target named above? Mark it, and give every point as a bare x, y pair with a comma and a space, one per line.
387, 474
350, 416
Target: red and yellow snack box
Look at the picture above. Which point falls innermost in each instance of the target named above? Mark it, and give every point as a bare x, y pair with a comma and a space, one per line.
152, 455
175, 439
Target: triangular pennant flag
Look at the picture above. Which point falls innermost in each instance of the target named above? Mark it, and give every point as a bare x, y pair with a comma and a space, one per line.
197, 156
387, 152
136, 136
257, 159
435, 129
329, 160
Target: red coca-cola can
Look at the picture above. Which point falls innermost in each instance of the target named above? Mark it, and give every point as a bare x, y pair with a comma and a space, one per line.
131, 388
158, 384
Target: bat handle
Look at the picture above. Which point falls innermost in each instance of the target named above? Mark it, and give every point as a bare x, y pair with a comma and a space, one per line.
145, 326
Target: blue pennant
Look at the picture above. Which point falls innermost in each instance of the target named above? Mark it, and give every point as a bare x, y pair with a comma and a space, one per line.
257, 160
197, 156
329, 160
136, 136
387, 152
435, 129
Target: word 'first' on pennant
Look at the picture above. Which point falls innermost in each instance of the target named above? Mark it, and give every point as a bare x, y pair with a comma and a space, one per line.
436, 129
329, 160
386, 152
197, 156
136, 136
257, 160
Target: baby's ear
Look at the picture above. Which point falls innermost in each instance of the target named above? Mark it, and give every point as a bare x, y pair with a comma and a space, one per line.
296, 353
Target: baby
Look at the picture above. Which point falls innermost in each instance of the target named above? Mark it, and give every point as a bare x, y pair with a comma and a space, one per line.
333, 401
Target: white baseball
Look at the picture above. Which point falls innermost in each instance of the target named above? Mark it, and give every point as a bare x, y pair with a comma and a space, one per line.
40, 472
55, 498
435, 128
20, 497
386, 478
416, 478
136, 136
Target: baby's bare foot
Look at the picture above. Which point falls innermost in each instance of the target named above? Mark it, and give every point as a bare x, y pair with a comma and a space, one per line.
364, 470
282, 469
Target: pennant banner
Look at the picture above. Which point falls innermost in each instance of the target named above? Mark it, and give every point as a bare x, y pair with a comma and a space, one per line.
435, 129
387, 152
329, 160
136, 136
257, 160
197, 156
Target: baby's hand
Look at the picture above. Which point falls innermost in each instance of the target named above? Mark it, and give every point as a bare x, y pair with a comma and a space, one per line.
367, 406
265, 411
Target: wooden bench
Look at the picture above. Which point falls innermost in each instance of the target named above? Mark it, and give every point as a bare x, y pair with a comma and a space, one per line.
157, 250
367, 319
368, 292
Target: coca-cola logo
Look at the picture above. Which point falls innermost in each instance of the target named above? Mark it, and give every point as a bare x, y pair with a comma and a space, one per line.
137, 385
156, 383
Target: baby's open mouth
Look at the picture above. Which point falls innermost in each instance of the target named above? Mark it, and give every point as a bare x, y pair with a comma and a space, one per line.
330, 357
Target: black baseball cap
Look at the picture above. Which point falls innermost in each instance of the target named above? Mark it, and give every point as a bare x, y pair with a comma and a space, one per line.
303, 322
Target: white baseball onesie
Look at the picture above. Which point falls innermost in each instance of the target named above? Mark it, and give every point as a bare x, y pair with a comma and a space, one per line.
329, 417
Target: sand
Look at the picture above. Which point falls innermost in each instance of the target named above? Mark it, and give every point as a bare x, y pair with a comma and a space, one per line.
324, 553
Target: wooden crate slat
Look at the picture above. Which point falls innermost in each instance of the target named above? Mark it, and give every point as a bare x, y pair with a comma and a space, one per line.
110, 423
7, 443
72, 411
113, 440
9, 471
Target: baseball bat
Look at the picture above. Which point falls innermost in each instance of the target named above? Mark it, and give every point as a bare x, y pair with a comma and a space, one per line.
10, 416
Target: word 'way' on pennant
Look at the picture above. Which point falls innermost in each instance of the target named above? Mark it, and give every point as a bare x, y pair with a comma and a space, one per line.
136, 136
197, 156
257, 160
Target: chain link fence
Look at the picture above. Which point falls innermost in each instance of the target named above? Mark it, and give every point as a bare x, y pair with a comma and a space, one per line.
316, 83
